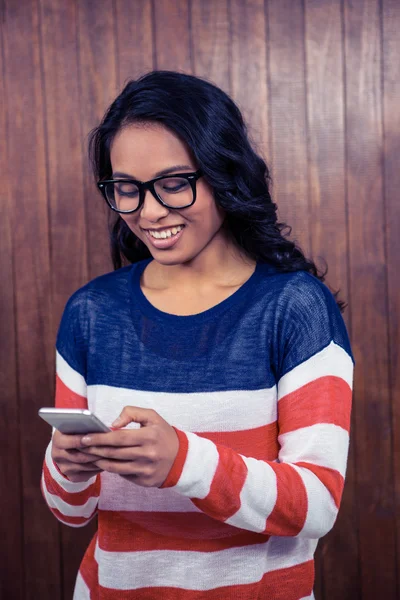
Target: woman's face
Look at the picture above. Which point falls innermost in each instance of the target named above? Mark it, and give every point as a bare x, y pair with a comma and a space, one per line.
140, 152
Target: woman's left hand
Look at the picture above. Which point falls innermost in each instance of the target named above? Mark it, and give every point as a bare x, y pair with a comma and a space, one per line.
143, 455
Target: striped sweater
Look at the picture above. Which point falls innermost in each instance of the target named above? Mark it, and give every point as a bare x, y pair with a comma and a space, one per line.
259, 391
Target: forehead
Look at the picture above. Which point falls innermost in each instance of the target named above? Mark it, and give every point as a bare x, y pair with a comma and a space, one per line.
139, 145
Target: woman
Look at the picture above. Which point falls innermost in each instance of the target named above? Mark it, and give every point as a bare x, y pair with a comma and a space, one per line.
222, 353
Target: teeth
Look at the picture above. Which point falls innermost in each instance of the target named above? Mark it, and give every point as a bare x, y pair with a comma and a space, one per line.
165, 234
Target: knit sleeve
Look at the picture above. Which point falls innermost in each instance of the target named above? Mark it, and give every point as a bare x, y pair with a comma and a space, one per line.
299, 494
74, 504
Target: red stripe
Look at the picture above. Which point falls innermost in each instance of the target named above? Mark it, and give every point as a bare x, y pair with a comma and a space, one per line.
143, 531
291, 583
223, 499
66, 398
331, 479
260, 442
289, 513
89, 569
71, 520
325, 400
72, 498
64, 518
177, 467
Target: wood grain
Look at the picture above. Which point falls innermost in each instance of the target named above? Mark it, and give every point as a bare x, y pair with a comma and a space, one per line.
69, 262
134, 39
172, 35
391, 148
287, 101
249, 69
210, 41
338, 551
32, 292
98, 85
11, 527
368, 290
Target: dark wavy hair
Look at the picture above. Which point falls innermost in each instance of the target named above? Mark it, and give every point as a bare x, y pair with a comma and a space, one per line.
211, 124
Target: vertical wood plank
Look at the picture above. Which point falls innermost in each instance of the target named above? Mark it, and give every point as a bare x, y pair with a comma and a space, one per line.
372, 408
338, 551
210, 41
11, 530
98, 88
288, 117
172, 35
249, 69
69, 268
33, 298
134, 36
62, 95
391, 124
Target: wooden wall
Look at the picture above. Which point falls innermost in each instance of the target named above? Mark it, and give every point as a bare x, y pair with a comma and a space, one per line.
319, 83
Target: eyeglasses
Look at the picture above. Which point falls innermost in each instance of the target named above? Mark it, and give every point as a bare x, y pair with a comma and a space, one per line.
173, 191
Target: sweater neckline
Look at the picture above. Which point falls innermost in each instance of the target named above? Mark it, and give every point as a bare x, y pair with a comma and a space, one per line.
151, 311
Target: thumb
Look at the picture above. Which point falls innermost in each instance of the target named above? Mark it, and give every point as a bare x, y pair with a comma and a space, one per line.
129, 414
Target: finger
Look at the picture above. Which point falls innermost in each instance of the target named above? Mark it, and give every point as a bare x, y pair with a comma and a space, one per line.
67, 458
82, 475
144, 416
76, 469
64, 441
78, 457
121, 437
90, 468
118, 453
79, 478
121, 467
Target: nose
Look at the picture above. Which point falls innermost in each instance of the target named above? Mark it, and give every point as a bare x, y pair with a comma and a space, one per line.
152, 210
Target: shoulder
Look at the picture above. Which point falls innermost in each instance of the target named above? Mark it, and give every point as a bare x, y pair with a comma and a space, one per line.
102, 296
307, 306
296, 290
101, 291
302, 291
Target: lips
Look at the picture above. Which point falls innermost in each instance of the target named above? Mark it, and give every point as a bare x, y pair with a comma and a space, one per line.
163, 228
164, 242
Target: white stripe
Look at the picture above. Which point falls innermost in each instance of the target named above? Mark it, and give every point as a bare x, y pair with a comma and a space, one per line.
83, 510
71, 378
235, 410
81, 591
69, 486
257, 498
324, 444
193, 570
199, 469
321, 509
122, 495
312, 597
332, 360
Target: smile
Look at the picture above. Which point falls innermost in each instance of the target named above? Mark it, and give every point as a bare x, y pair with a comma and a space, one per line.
166, 238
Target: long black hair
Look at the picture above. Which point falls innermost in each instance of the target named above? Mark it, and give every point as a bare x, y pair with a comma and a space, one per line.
211, 124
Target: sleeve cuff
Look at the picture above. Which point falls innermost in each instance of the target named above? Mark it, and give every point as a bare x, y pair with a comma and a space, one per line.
57, 468
61, 479
179, 462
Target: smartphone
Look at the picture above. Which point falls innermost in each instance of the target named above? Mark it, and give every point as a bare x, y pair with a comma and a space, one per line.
73, 420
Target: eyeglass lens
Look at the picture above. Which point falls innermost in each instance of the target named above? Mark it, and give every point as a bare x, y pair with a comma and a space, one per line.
174, 191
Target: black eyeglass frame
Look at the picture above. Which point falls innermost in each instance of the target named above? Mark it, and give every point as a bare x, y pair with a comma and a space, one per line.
149, 185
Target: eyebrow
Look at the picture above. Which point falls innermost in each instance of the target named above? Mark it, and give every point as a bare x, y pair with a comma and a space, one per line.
158, 174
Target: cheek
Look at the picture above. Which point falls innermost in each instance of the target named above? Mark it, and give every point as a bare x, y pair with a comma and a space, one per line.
131, 222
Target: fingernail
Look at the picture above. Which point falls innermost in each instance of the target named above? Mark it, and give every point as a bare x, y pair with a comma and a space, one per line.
86, 440
116, 422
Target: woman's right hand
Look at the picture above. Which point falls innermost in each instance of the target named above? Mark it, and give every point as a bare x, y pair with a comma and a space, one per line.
73, 463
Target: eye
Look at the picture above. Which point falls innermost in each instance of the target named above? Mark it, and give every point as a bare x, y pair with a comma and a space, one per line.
128, 190
174, 185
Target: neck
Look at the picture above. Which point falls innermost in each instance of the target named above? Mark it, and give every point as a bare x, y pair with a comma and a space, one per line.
221, 264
